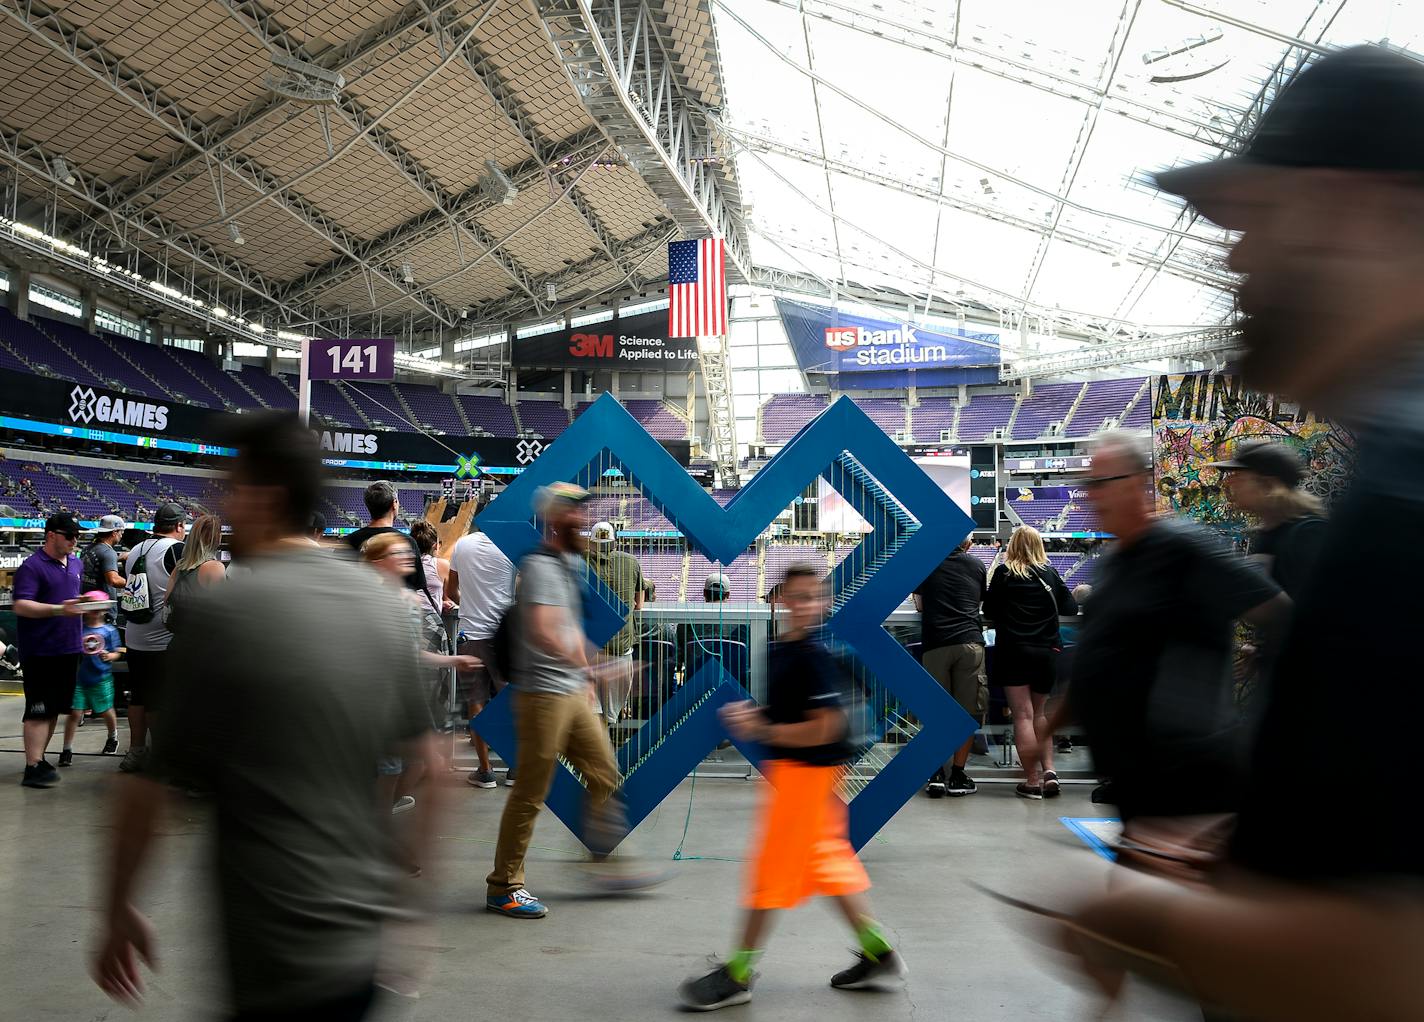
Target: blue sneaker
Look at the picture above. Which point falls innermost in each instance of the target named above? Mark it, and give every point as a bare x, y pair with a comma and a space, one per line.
518, 905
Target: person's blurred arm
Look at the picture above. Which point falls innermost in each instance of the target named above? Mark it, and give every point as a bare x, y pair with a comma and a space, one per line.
747, 722
547, 628
1272, 615
452, 586
128, 936
1274, 954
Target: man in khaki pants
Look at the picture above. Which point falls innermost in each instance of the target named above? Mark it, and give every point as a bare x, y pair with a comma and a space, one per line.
952, 640
552, 686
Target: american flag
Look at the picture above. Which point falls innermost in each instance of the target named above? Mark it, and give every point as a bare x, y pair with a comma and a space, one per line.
697, 288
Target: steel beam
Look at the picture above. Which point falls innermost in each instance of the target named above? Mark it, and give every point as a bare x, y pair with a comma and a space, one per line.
263, 26
32, 160
464, 208
47, 26
616, 60
633, 252
1118, 44
1203, 272
1009, 68
543, 149
351, 56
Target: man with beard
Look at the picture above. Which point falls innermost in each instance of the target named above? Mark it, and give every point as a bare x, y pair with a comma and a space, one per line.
554, 681
1329, 199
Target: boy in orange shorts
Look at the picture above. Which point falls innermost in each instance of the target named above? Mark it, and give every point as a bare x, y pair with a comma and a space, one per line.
801, 847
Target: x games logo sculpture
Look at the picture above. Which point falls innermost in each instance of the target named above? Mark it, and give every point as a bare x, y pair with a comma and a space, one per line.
868, 586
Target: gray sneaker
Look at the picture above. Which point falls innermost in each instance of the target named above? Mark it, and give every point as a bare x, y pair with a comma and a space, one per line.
871, 973
509, 778
134, 760
481, 779
715, 990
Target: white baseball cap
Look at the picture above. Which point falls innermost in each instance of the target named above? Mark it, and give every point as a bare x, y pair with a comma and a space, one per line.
602, 533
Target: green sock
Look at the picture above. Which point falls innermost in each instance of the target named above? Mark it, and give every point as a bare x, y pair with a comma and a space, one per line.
739, 966
872, 939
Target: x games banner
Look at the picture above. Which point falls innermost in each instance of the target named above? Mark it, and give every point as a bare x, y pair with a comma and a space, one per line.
60, 409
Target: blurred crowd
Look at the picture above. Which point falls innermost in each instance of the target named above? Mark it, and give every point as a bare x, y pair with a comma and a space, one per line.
1227, 887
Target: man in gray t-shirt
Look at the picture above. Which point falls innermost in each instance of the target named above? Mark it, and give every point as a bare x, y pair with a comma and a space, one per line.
553, 703
101, 560
548, 579
307, 874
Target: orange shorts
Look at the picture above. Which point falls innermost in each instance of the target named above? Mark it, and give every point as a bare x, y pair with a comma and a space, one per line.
801, 848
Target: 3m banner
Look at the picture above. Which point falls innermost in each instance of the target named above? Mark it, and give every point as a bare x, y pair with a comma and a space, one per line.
826, 340
629, 342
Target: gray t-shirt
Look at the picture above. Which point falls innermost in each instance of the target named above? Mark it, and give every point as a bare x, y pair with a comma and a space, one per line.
321, 657
553, 582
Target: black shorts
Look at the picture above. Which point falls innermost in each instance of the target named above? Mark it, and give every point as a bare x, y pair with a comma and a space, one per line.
484, 683
1034, 666
350, 1008
148, 677
49, 685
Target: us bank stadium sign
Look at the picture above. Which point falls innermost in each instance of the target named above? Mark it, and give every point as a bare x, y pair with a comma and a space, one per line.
828, 340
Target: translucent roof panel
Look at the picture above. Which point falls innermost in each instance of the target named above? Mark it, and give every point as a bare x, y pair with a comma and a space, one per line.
1001, 150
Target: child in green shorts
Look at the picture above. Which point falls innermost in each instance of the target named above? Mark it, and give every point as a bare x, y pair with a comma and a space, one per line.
95, 689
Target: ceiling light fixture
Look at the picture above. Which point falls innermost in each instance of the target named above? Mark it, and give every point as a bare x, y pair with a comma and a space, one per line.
62, 171
304, 81
235, 233
407, 274
496, 185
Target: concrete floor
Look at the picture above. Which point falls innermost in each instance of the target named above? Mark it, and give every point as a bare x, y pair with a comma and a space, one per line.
593, 957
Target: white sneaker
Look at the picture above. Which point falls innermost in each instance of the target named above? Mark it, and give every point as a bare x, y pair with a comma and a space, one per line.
403, 804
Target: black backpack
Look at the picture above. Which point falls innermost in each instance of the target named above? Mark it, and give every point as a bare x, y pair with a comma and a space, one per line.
506, 634
93, 572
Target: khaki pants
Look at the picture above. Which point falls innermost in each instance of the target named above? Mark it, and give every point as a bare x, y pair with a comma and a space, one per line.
549, 726
960, 671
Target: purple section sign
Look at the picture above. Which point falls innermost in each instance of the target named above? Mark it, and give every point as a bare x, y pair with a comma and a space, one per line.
352, 358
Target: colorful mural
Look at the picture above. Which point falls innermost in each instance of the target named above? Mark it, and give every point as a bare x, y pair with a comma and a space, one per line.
1198, 418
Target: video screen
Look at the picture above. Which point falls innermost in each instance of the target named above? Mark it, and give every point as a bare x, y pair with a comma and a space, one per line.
948, 469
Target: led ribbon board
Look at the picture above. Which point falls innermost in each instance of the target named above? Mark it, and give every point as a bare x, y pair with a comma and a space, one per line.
844, 446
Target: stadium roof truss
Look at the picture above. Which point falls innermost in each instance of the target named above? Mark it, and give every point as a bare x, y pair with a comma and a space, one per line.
926, 152
454, 176
453, 165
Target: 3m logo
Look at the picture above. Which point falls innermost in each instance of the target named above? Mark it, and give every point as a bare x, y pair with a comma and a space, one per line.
591, 345
840, 337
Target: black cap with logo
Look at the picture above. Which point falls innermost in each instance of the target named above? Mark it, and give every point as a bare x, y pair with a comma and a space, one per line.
1356, 109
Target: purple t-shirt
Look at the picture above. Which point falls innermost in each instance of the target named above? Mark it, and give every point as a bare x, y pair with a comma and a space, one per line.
43, 578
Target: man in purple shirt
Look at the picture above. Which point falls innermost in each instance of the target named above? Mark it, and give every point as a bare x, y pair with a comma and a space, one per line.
50, 626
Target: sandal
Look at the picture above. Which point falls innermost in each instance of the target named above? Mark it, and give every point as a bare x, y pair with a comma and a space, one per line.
1051, 787
1031, 791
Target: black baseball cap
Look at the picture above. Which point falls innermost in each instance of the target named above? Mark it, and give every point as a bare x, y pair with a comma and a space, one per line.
169, 516
1268, 458
62, 523
1360, 108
